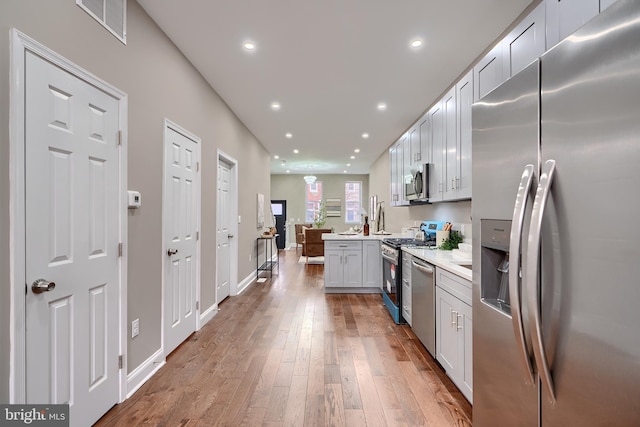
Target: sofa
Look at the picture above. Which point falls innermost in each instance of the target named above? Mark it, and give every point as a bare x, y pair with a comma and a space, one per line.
313, 244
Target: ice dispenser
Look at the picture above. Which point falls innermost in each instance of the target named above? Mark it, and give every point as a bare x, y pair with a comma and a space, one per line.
494, 263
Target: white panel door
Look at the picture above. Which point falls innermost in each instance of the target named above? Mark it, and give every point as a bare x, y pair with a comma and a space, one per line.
223, 230
72, 235
181, 206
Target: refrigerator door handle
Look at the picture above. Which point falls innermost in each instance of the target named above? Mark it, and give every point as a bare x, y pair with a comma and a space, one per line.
515, 243
531, 275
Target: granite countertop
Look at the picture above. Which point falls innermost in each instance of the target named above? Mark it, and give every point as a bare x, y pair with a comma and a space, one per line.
442, 259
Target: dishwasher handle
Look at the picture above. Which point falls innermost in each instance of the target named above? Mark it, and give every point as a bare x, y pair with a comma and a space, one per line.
425, 268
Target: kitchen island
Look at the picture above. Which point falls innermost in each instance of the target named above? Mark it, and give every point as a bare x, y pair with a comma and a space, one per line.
352, 263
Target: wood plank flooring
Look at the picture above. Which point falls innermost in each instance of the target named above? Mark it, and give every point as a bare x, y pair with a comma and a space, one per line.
285, 354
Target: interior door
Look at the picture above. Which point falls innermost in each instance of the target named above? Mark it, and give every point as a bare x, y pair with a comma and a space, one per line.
72, 233
181, 206
223, 231
279, 210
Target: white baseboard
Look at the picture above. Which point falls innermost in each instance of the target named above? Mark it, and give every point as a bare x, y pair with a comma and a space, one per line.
208, 314
244, 284
146, 370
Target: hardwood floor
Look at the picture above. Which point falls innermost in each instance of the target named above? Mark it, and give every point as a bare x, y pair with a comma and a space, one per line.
285, 354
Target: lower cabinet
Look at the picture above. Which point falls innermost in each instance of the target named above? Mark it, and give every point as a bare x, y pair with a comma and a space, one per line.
343, 264
371, 264
454, 346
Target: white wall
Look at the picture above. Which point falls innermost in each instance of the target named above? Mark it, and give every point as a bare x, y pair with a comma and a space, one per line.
160, 83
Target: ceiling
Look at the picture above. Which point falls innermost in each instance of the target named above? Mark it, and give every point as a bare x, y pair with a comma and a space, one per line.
329, 63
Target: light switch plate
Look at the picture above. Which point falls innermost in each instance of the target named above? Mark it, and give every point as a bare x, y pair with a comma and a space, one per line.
135, 328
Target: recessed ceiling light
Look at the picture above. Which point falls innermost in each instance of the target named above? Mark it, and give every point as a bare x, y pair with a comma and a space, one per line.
288, 135
382, 106
345, 171
357, 150
276, 157
353, 157
416, 43
365, 135
288, 171
275, 106
348, 164
296, 150
249, 45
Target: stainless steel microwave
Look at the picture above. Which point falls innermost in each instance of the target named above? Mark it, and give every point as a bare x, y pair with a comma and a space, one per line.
417, 190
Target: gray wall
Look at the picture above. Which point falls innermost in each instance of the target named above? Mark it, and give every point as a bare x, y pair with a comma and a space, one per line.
406, 216
160, 83
291, 187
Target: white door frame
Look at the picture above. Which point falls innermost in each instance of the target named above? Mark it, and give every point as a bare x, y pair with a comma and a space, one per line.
233, 244
168, 124
20, 44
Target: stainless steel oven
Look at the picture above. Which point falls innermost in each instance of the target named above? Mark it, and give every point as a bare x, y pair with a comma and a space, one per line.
392, 273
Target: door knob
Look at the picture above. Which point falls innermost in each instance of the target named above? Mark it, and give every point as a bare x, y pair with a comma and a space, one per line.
230, 236
42, 285
172, 252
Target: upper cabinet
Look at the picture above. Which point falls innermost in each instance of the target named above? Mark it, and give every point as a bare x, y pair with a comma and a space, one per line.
450, 145
436, 174
524, 43
487, 74
464, 99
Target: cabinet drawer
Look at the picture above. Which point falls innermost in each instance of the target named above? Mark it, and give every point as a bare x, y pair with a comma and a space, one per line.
342, 245
455, 285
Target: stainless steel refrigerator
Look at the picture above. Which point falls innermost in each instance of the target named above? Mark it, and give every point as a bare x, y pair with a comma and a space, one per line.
556, 230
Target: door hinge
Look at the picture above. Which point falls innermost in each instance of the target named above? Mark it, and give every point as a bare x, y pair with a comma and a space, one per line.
197, 166
120, 249
197, 305
197, 235
119, 137
120, 361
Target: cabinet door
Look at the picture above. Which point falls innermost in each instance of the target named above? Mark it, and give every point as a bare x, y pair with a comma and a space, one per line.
465, 355
566, 16
425, 138
395, 185
525, 43
352, 268
416, 147
437, 148
446, 332
606, 3
371, 264
333, 268
405, 167
450, 144
464, 98
487, 74
406, 301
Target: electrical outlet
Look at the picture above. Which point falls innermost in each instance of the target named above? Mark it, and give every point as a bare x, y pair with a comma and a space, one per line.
135, 328
249, 257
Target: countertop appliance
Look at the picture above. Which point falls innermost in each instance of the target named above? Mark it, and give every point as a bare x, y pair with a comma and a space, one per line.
429, 228
423, 303
392, 273
556, 150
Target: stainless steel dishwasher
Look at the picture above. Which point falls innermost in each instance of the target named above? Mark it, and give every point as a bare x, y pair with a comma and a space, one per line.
423, 303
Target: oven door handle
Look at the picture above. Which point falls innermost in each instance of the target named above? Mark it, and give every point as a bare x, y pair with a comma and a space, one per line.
390, 258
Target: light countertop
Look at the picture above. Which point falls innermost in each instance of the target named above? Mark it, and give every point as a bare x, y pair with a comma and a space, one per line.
442, 259
359, 236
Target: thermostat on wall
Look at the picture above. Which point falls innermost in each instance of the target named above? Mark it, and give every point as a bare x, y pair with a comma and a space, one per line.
135, 199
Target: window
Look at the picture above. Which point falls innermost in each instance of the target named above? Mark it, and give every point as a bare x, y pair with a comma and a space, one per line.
313, 199
112, 14
353, 202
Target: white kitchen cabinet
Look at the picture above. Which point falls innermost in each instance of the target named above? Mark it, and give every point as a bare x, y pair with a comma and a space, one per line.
436, 185
454, 329
566, 16
407, 175
450, 140
424, 125
343, 264
464, 97
488, 72
606, 3
394, 152
406, 288
371, 264
524, 43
